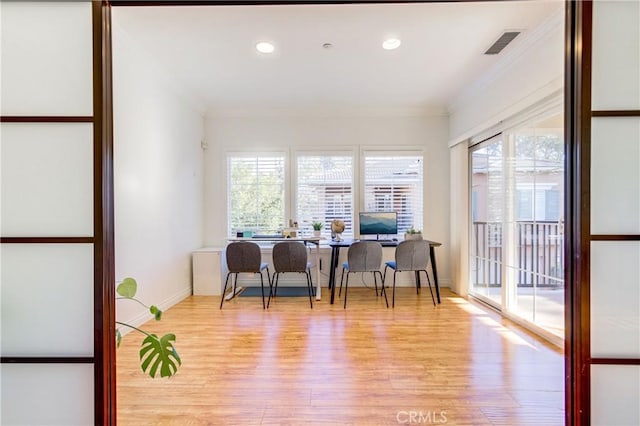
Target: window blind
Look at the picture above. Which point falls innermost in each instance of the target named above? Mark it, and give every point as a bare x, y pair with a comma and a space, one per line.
394, 183
256, 199
324, 190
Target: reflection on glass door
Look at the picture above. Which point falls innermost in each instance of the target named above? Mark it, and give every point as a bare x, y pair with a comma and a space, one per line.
537, 263
517, 217
487, 205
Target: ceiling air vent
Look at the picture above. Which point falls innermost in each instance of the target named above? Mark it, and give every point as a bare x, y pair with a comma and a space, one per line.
502, 42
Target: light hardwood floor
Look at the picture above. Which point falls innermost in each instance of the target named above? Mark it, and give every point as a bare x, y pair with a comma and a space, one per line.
367, 365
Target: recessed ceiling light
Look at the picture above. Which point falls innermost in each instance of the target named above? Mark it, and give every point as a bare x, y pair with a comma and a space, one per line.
265, 47
391, 43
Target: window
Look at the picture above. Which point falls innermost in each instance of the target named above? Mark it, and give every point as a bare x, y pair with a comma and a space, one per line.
394, 183
256, 199
546, 205
524, 204
552, 205
324, 190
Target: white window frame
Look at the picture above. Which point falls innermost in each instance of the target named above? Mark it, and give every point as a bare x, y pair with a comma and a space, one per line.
334, 152
284, 153
374, 151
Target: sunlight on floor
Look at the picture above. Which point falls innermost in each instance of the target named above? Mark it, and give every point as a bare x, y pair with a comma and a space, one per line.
483, 316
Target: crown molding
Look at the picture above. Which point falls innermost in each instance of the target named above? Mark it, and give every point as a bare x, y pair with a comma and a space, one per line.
546, 98
534, 37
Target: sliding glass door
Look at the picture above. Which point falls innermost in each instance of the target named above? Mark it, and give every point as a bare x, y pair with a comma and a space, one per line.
537, 262
487, 213
516, 244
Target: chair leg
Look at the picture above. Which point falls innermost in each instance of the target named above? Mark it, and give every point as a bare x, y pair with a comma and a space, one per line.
275, 287
393, 299
375, 283
346, 290
430, 289
262, 289
383, 291
341, 279
269, 280
235, 283
274, 282
310, 282
417, 274
226, 281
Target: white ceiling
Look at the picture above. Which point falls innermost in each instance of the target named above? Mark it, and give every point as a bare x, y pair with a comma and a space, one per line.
211, 51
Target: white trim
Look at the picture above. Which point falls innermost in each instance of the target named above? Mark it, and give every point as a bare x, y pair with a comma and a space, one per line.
536, 329
395, 150
378, 150
530, 326
528, 112
327, 150
248, 153
338, 152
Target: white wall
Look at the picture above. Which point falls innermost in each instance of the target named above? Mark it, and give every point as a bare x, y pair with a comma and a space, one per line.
526, 81
459, 251
323, 131
158, 181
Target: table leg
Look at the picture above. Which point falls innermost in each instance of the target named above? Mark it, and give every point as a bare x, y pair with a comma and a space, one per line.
318, 287
335, 253
432, 256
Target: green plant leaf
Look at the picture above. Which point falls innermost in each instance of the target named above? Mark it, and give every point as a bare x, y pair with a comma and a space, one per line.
127, 288
157, 313
118, 337
159, 353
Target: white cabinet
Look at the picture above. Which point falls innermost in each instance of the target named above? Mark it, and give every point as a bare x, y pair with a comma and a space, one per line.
208, 268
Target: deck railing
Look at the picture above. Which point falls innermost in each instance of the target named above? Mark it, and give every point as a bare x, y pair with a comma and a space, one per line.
539, 256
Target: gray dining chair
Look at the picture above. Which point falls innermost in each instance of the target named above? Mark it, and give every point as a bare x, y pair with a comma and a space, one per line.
412, 255
290, 256
363, 256
245, 257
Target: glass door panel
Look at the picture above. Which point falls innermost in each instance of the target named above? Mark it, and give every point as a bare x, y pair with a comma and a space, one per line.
517, 223
487, 206
535, 218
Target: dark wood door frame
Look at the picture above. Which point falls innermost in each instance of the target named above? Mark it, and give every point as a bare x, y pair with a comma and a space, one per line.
104, 259
577, 93
577, 134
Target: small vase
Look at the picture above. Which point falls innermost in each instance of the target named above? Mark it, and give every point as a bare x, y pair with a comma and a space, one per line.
317, 233
417, 236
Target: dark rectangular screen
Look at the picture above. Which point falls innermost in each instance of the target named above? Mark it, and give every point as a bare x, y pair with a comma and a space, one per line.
376, 223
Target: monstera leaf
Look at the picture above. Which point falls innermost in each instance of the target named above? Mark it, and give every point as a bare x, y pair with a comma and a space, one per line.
159, 353
156, 354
